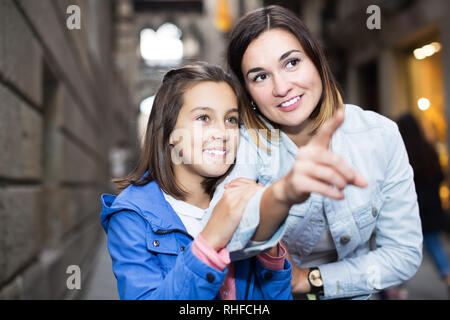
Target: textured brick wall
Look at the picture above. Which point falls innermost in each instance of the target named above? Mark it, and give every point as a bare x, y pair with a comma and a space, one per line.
62, 107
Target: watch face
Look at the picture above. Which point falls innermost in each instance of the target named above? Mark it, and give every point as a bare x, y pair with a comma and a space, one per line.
315, 278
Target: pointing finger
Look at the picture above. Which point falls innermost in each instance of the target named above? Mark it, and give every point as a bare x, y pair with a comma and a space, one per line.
325, 133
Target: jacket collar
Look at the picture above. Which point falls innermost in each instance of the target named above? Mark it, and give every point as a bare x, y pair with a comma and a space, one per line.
148, 201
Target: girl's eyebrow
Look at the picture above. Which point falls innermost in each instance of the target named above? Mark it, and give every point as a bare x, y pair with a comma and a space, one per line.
283, 56
212, 110
233, 110
201, 108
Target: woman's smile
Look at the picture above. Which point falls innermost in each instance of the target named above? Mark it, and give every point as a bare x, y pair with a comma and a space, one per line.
283, 82
291, 104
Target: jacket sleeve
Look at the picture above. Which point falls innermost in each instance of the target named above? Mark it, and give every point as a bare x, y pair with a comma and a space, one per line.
398, 252
272, 284
141, 274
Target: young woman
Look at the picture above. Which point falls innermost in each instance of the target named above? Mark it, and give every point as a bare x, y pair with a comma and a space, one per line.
157, 238
345, 187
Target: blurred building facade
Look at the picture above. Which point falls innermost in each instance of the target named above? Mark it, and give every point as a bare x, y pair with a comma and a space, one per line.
64, 105
402, 66
384, 70
69, 115
69, 103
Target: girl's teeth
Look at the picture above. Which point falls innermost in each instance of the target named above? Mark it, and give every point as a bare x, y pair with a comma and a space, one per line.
290, 102
216, 152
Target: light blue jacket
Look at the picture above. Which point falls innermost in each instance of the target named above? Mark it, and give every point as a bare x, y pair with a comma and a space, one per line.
376, 230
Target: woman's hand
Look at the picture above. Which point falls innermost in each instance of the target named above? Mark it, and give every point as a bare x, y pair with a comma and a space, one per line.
318, 170
228, 212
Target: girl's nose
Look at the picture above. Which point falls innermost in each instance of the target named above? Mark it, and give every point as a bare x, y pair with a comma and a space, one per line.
219, 133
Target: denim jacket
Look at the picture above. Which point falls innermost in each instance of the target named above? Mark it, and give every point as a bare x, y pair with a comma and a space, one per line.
152, 255
376, 230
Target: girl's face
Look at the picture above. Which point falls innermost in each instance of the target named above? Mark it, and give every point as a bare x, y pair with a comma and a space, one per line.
281, 78
206, 134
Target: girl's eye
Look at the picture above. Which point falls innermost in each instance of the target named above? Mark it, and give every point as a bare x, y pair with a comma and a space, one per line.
260, 77
203, 117
292, 63
233, 120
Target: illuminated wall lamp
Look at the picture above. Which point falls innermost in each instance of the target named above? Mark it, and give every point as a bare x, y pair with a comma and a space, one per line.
423, 104
427, 50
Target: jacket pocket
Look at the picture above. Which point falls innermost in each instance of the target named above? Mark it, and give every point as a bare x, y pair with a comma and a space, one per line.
166, 247
366, 215
167, 243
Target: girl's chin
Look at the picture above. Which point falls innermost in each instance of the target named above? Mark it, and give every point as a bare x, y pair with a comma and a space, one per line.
214, 170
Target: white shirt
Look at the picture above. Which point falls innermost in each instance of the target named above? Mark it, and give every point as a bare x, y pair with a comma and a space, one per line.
190, 215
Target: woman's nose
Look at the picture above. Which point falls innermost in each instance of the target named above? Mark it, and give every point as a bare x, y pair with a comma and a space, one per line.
281, 86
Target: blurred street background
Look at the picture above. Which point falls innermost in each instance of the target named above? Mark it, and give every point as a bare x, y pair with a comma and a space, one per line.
77, 80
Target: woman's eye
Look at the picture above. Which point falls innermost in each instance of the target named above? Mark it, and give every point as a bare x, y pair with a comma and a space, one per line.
203, 117
260, 77
292, 63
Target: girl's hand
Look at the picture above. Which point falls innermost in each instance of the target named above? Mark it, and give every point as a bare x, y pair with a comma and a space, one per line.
316, 169
228, 212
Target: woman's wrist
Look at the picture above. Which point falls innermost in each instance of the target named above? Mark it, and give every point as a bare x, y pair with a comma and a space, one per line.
300, 283
280, 193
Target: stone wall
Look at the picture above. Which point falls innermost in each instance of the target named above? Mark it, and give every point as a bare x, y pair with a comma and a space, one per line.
62, 108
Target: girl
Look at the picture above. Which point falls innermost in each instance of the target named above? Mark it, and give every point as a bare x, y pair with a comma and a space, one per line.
157, 238
348, 235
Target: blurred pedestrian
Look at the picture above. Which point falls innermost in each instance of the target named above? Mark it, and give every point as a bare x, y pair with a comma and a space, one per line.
428, 177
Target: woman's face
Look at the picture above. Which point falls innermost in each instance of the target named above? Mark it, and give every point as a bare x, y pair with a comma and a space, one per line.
281, 78
206, 134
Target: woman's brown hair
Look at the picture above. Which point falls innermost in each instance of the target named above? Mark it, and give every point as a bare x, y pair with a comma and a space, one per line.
250, 27
155, 161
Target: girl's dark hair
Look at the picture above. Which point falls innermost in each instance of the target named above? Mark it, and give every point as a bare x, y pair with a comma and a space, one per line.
422, 155
250, 27
155, 157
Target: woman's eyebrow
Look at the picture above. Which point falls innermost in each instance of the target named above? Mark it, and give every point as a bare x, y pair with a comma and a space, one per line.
283, 56
254, 70
287, 54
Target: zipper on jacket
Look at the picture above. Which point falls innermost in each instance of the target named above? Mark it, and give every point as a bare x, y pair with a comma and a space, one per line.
249, 277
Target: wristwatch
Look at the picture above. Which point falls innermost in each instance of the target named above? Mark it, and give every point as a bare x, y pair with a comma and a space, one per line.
315, 281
